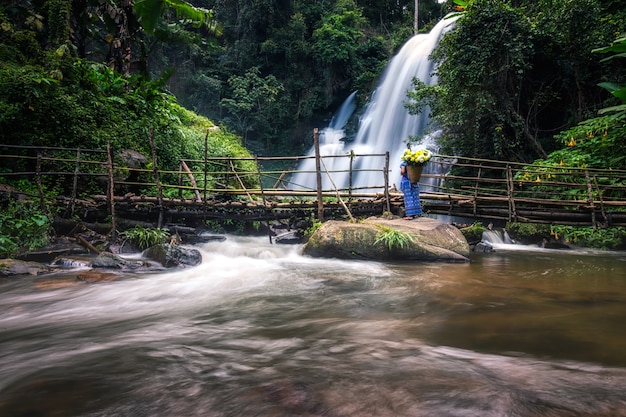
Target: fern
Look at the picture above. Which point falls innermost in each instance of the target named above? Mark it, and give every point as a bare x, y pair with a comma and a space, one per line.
392, 238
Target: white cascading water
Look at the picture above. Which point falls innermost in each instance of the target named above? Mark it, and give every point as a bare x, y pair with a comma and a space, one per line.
385, 126
330, 144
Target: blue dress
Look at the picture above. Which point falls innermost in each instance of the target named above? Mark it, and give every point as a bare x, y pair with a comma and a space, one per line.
412, 204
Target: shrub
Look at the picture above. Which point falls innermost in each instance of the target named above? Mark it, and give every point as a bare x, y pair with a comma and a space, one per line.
144, 237
23, 225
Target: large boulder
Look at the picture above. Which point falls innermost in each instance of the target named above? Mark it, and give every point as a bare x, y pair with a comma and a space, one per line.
173, 255
430, 240
108, 260
12, 267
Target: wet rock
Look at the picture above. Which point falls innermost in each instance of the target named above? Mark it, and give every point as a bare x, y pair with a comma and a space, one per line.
69, 262
292, 237
93, 276
46, 254
430, 240
483, 247
553, 244
109, 260
196, 238
133, 159
13, 267
173, 255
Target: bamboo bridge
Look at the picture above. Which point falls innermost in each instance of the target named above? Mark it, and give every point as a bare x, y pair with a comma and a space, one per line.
103, 185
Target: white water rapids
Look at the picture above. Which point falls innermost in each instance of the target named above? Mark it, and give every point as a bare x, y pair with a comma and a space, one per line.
260, 330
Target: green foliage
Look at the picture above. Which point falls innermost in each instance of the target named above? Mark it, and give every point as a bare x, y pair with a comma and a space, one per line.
314, 225
22, 225
150, 12
473, 233
392, 238
528, 233
510, 77
145, 237
481, 66
590, 144
253, 99
617, 50
337, 40
93, 105
610, 238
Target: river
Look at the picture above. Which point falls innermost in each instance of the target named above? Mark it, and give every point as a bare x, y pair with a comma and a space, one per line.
260, 330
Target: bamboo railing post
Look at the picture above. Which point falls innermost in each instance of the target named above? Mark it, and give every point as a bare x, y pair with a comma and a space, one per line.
155, 171
75, 183
180, 179
243, 186
279, 181
330, 178
111, 190
267, 221
206, 154
194, 184
480, 168
590, 199
602, 210
350, 177
510, 190
318, 175
386, 174
227, 175
39, 182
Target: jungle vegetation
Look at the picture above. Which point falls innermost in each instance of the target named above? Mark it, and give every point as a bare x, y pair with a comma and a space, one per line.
512, 76
518, 80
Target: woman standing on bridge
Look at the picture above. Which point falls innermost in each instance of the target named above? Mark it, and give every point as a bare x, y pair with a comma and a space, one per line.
409, 183
412, 204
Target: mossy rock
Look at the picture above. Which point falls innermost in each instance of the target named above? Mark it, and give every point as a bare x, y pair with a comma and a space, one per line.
430, 240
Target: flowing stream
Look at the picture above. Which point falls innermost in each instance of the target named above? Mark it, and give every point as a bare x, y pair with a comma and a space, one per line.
260, 330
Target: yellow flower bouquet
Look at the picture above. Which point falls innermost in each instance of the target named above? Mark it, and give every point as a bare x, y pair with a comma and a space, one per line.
416, 158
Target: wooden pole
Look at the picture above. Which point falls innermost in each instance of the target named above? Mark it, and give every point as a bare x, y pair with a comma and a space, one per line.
155, 171
350, 178
604, 217
111, 191
337, 193
267, 220
206, 154
386, 174
279, 181
476, 189
591, 203
75, 183
243, 186
318, 175
39, 184
510, 189
180, 179
192, 179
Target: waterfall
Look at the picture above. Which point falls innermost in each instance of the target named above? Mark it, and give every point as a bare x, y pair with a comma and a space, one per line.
497, 236
385, 125
330, 144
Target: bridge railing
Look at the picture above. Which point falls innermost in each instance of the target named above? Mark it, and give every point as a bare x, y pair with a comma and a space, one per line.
524, 192
450, 185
